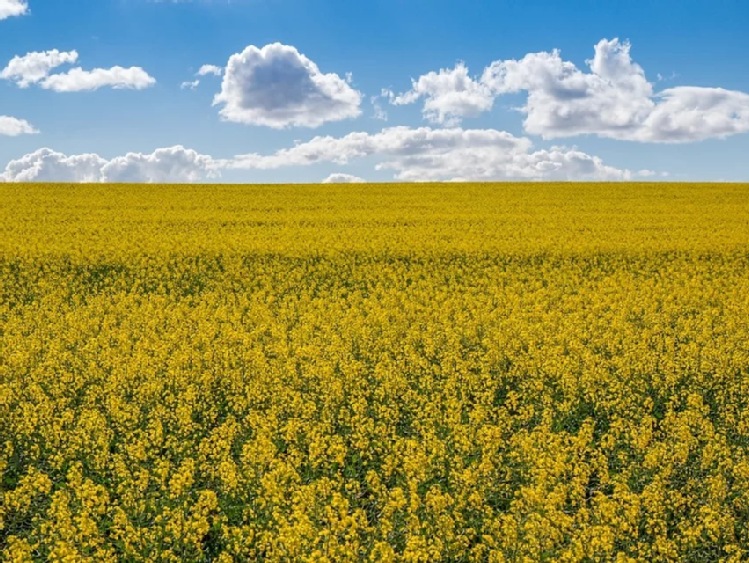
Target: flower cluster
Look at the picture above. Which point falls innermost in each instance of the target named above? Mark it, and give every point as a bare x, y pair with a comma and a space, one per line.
383, 373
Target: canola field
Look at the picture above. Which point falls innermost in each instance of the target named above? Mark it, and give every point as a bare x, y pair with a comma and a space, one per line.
454, 372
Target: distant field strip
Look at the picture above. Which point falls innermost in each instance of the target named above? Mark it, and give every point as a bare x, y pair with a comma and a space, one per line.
415, 372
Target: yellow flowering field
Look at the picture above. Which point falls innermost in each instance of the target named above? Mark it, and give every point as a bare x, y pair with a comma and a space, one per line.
451, 372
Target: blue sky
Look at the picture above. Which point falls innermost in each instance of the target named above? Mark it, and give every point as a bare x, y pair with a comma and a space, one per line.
306, 90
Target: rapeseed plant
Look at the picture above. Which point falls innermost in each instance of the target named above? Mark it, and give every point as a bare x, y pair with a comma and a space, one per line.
373, 372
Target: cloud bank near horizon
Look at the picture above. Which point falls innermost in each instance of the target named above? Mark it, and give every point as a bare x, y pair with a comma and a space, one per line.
410, 154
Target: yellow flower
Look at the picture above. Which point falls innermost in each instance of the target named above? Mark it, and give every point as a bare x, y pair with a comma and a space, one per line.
384, 373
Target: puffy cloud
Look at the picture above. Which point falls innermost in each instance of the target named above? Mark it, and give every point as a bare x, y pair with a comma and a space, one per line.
205, 70
12, 126
341, 178
688, 113
175, 164
117, 77
413, 154
449, 94
10, 8
46, 165
277, 86
613, 99
491, 163
402, 141
32, 68
441, 154
35, 68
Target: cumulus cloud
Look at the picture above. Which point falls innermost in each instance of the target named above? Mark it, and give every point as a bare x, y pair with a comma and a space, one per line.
35, 68
441, 154
117, 77
412, 154
400, 140
176, 165
46, 165
205, 70
612, 99
10, 8
277, 86
450, 95
341, 178
32, 68
12, 126
688, 113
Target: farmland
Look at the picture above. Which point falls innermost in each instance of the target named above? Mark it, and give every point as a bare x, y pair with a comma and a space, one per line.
457, 372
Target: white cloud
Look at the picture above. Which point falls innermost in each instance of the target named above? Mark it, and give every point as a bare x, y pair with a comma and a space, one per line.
377, 111
117, 77
210, 69
46, 165
277, 86
688, 113
441, 154
400, 141
35, 68
341, 178
449, 94
12, 126
413, 154
32, 68
175, 164
204, 70
10, 8
613, 99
